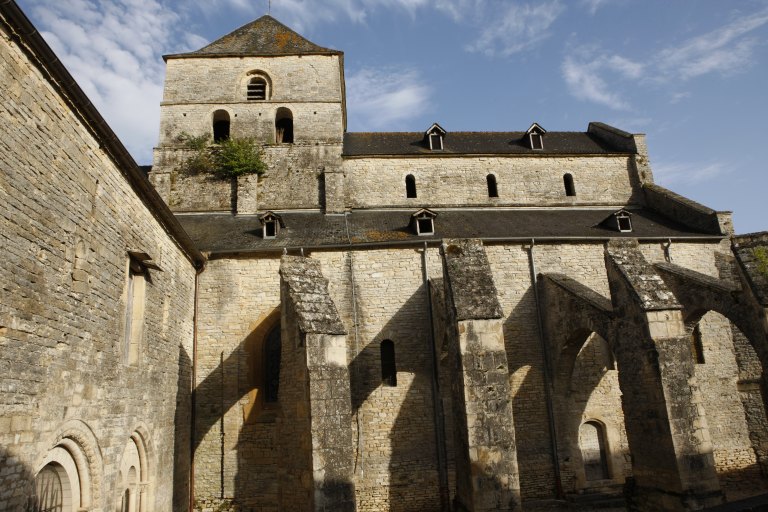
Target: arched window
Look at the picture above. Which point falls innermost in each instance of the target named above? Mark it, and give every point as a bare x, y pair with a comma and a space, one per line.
388, 365
220, 125
593, 451
52, 489
570, 188
410, 186
493, 190
257, 89
283, 126
272, 349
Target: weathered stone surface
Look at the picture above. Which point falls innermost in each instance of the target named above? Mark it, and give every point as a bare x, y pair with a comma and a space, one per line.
645, 283
469, 277
308, 291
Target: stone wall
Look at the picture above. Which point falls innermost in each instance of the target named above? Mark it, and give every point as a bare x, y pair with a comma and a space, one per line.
454, 181
70, 216
236, 441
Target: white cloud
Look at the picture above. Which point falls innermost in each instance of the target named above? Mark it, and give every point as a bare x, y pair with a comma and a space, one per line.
724, 50
594, 5
113, 49
517, 28
593, 76
584, 75
385, 98
675, 174
506, 26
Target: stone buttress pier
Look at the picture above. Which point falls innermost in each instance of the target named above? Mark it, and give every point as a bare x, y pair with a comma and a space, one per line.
487, 475
315, 467
669, 438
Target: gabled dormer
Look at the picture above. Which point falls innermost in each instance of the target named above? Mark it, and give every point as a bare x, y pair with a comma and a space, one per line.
620, 221
271, 224
434, 137
535, 137
423, 222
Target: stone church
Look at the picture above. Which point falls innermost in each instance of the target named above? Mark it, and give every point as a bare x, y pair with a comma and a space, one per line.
420, 321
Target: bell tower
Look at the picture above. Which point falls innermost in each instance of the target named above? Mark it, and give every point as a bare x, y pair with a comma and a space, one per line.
263, 82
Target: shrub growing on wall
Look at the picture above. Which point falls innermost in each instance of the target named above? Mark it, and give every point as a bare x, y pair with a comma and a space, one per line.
227, 159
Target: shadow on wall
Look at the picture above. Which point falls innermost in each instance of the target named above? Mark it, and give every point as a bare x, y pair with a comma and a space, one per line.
399, 417
182, 422
529, 411
17, 485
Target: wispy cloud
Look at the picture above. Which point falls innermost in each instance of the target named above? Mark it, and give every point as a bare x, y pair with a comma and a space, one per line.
594, 76
385, 98
584, 73
505, 27
113, 49
594, 5
724, 50
675, 174
517, 27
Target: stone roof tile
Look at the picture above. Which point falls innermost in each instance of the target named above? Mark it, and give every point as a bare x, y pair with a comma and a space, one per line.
473, 143
263, 37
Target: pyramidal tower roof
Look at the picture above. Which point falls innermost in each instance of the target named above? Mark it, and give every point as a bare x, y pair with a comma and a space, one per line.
263, 37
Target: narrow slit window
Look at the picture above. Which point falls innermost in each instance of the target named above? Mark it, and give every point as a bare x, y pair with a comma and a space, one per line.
410, 186
388, 365
697, 347
257, 89
493, 190
220, 126
570, 188
134, 311
272, 356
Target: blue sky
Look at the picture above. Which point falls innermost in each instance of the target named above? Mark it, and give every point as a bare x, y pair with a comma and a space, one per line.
691, 74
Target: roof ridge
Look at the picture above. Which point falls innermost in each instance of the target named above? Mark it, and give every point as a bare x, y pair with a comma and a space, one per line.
264, 36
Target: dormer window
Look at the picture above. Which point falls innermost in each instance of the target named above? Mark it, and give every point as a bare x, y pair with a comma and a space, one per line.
423, 222
271, 223
535, 135
624, 222
434, 136
620, 221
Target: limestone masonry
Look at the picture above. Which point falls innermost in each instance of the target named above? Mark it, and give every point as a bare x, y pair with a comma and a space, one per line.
418, 321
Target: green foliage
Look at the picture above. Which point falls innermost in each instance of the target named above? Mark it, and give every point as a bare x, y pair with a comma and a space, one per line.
238, 157
226, 159
761, 255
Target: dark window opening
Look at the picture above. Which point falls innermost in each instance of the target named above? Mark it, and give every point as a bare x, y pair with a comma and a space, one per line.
570, 188
625, 224
435, 142
537, 141
697, 347
270, 229
284, 126
410, 186
388, 365
493, 190
272, 349
220, 126
426, 227
257, 89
